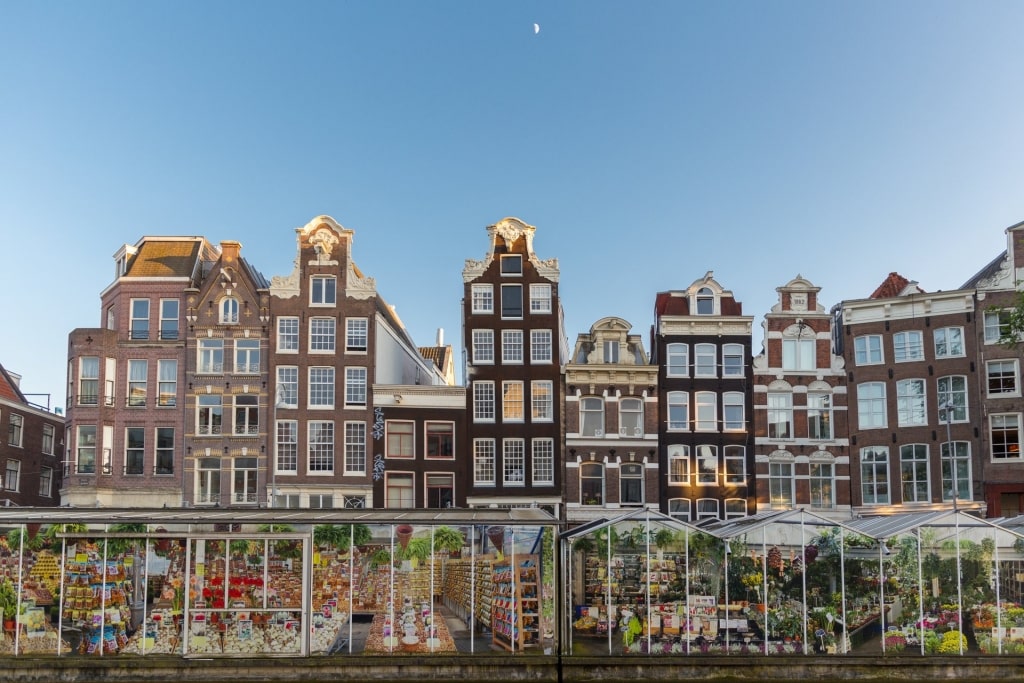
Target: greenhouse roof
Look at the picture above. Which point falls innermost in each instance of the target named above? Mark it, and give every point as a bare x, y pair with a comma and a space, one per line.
887, 526
732, 528
638, 515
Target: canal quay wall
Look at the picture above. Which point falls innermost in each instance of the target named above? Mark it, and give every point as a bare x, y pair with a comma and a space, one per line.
477, 669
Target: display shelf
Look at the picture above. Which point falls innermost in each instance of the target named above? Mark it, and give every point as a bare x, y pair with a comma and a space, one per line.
515, 610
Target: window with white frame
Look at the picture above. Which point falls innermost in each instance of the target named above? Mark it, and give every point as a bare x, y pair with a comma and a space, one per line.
822, 485
208, 481
540, 298
867, 349
483, 347
678, 410
1001, 377
288, 335
512, 264
355, 386
287, 446
910, 403
483, 401
48, 438
138, 370
229, 310
287, 393
949, 342
355, 447
209, 414
322, 335
319, 501
705, 302
245, 474
780, 415
733, 416
707, 508
914, 479
88, 381
610, 350
732, 360
247, 356
399, 439
997, 325
320, 436
591, 416
512, 407
483, 462
707, 465
781, 484
168, 318
540, 346
679, 464
819, 416
952, 399
705, 357
541, 400
12, 475
706, 413
871, 405
134, 450
46, 482
798, 354
440, 490
167, 383
511, 346
440, 438
543, 461
323, 290
631, 417
85, 449
677, 360
139, 322
482, 298
874, 475
679, 508
513, 460
399, 491
321, 387
511, 302
908, 346
356, 334
247, 411
631, 484
354, 502
956, 465
735, 459
211, 356
1005, 436
735, 508
591, 483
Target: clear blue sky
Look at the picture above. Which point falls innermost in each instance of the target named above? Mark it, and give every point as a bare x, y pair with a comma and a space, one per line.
649, 142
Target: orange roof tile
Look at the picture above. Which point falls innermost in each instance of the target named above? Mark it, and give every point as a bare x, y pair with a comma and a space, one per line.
172, 258
893, 284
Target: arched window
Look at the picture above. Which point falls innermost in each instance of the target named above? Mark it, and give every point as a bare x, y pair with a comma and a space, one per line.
705, 302
591, 483
229, 310
679, 508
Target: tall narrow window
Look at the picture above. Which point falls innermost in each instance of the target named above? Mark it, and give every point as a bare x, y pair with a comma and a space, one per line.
89, 381
705, 356
355, 448
287, 335
165, 450
541, 408
705, 301
321, 387
679, 464
822, 482
167, 383
210, 414
910, 403
952, 399
780, 416
322, 335
483, 347
483, 401
247, 415
611, 351
512, 401
540, 346
735, 458
137, 371
781, 484
211, 356
798, 354
678, 360
483, 462
12, 475
914, 473
591, 417
15, 429
871, 405
355, 386
543, 462
85, 445
732, 411
511, 301
287, 446
356, 334
168, 318
48, 434
139, 323
512, 346
706, 419
678, 411
874, 475
707, 465
243, 483
631, 417
135, 450
591, 483
46, 482
287, 393
956, 466
732, 360
320, 437
229, 310
631, 484
819, 417
513, 458
208, 481
440, 490
247, 356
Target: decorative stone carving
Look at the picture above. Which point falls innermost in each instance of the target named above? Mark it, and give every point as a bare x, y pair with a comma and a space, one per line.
1001, 279
324, 242
359, 287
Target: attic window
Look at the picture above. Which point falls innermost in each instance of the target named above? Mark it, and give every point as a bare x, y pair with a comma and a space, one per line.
512, 265
705, 301
229, 310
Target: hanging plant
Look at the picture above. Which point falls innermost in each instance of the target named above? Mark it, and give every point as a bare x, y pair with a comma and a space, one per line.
120, 546
447, 539
774, 559
810, 553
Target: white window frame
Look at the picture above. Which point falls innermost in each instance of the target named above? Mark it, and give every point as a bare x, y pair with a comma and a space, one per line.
542, 400
592, 405
442, 427
961, 411
355, 448
962, 453
321, 387
733, 351
1010, 370
167, 330
287, 447
1005, 424
819, 416
707, 508
822, 483
323, 335
679, 508
288, 334
49, 436
321, 444
734, 465
867, 349
874, 476
138, 322
509, 288
911, 408
247, 356
704, 454
512, 347
484, 462
678, 464
483, 401
631, 472
286, 394
482, 299
949, 342
872, 410
328, 295
908, 346
701, 354
540, 298
731, 402
209, 414
246, 420
357, 335
513, 401
512, 269
245, 481
735, 508
483, 347
356, 387
513, 462
798, 354
914, 461
781, 484
542, 461
540, 347
677, 360
138, 382
705, 413
210, 357
399, 490
228, 309
780, 412
996, 324
631, 410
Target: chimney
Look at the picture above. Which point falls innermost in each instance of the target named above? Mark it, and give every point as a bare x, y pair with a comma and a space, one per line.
440, 336
229, 250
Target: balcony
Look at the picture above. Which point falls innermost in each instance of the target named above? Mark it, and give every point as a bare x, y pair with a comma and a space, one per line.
169, 334
247, 369
210, 369
240, 497
139, 333
208, 430
247, 430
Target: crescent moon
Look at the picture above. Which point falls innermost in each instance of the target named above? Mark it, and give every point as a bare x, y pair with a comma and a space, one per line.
536, 29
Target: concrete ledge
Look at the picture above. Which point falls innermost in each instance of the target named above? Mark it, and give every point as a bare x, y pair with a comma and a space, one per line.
525, 668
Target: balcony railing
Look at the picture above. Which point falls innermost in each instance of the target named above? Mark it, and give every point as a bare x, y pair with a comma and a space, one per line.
240, 497
88, 399
210, 368
247, 369
137, 333
169, 334
208, 430
247, 430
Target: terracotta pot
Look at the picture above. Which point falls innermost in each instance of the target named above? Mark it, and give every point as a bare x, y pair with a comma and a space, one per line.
404, 533
496, 535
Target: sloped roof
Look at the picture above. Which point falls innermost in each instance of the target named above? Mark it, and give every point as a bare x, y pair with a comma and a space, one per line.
9, 389
436, 354
988, 271
165, 258
893, 285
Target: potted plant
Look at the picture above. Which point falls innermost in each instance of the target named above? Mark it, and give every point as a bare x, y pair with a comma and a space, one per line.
447, 539
8, 603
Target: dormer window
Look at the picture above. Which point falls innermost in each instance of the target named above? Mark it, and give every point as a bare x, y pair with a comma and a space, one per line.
705, 301
229, 311
611, 351
512, 265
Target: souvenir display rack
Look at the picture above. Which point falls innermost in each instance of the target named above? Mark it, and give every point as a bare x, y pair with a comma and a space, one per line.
515, 611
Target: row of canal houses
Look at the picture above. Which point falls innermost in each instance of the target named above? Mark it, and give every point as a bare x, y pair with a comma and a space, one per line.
207, 384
